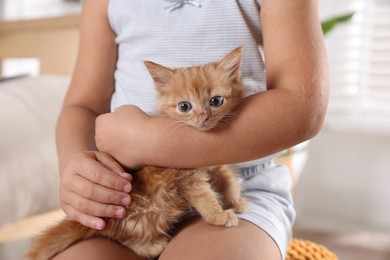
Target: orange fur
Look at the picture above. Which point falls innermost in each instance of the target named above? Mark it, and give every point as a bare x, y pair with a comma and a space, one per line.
160, 197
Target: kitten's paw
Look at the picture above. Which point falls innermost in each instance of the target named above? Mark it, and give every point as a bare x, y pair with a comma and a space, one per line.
226, 218
231, 218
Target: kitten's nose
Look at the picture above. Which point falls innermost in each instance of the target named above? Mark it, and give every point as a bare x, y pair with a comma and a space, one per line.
202, 118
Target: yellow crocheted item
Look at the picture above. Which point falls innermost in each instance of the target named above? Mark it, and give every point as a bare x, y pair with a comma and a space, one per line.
307, 250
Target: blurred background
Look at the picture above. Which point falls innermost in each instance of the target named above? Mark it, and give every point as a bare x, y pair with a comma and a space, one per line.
342, 176
343, 196
33, 25
347, 173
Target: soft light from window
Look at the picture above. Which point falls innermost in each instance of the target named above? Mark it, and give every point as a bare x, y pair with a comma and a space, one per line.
359, 57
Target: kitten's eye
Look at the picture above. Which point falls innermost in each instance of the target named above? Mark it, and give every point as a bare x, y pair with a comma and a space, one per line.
184, 106
216, 101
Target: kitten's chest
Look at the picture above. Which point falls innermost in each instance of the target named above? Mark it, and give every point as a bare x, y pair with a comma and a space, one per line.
150, 180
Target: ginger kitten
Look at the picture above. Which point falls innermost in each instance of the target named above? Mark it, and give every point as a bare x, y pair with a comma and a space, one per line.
200, 96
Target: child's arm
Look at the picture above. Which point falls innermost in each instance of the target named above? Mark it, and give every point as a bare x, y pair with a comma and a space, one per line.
92, 183
291, 111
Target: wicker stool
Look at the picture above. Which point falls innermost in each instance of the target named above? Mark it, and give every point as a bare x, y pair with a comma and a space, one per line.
306, 250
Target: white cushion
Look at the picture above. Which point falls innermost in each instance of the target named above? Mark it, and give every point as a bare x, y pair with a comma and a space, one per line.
29, 179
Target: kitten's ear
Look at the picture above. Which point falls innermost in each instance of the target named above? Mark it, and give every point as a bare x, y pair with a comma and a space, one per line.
160, 74
231, 63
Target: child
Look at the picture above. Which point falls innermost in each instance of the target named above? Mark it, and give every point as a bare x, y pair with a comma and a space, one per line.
283, 53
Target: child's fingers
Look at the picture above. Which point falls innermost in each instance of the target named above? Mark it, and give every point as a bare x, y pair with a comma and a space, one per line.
89, 212
84, 219
99, 174
109, 162
92, 191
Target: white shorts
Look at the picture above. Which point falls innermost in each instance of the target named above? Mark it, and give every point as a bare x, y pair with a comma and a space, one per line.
267, 187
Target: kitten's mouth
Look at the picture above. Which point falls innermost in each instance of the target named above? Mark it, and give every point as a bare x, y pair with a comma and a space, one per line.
204, 126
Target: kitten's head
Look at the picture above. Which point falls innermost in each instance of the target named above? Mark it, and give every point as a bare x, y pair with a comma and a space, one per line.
199, 96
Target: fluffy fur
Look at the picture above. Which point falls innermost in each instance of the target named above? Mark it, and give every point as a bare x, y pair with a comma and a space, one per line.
200, 96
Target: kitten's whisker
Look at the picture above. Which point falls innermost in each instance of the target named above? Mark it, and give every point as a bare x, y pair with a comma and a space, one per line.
229, 117
227, 120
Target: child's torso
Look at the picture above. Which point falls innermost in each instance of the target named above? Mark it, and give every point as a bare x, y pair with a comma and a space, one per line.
186, 36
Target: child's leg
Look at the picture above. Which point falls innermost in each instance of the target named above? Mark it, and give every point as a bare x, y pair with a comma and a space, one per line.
196, 239
97, 249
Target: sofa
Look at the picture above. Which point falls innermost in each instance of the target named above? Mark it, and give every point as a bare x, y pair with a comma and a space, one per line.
29, 179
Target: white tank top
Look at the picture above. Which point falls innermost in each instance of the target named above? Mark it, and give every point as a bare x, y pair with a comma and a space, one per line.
182, 33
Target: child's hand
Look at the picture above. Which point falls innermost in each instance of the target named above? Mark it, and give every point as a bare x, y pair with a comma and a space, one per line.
94, 184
